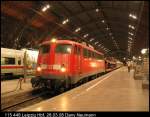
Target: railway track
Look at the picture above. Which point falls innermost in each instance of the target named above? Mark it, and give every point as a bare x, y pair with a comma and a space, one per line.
20, 101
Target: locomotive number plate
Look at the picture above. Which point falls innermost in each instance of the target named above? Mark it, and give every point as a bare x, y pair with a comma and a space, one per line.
56, 67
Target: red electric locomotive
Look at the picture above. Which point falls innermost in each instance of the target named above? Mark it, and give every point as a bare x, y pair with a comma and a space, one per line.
62, 63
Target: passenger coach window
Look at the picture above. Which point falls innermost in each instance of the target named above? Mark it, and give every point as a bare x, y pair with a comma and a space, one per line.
45, 49
9, 61
63, 48
2, 61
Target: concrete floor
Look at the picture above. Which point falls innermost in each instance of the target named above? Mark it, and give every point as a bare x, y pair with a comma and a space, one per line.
115, 91
13, 86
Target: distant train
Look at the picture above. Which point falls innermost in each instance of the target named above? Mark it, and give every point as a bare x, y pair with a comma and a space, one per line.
12, 61
63, 63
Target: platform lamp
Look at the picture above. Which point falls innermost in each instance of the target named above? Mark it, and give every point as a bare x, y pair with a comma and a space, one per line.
144, 51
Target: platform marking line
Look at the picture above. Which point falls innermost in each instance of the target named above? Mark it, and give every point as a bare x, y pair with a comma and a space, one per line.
91, 86
101, 80
104, 78
98, 82
78, 94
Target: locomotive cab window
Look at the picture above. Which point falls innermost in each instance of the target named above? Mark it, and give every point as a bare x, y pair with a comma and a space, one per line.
63, 48
44, 49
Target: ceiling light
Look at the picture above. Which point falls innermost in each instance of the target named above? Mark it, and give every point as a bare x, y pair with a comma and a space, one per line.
132, 16
130, 38
86, 35
45, 7
134, 58
143, 51
103, 21
78, 29
97, 10
130, 26
131, 33
107, 28
129, 41
96, 43
91, 39
65, 21
133, 27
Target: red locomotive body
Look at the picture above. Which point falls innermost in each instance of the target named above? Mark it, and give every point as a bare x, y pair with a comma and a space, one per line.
64, 62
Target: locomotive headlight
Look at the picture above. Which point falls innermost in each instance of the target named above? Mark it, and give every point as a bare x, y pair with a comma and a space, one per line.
38, 69
69, 50
93, 64
53, 40
63, 69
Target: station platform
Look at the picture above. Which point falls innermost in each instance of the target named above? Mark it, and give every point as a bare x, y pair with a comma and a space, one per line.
115, 91
12, 87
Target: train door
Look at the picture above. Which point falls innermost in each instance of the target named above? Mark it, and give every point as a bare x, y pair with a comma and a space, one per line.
20, 66
79, 60
77, 64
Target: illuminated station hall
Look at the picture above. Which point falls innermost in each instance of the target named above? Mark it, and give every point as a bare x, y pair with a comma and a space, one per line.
74, 56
